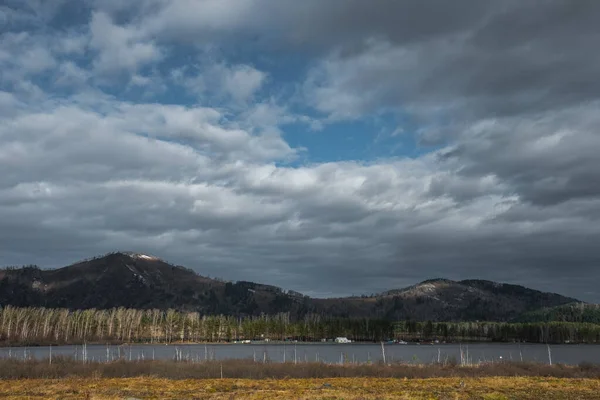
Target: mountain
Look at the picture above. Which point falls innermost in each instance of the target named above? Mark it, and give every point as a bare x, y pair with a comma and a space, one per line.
447, 300
135, 280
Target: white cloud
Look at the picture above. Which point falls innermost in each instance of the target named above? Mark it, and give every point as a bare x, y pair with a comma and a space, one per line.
236, 83
8, 103
23, 55
37, 60
383, 76
119, 48
139, 80
70, 74
242, 81
71, 44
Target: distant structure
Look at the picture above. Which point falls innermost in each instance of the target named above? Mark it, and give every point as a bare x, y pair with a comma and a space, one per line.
342, 340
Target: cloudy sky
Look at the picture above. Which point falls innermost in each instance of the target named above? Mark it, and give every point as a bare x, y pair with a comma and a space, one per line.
331, 147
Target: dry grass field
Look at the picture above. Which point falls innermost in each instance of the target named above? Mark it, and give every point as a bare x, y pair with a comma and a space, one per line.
244, 379
247, 369
491, 388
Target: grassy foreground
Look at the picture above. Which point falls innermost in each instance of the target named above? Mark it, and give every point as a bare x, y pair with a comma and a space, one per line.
65, 378
491, 388
247, 369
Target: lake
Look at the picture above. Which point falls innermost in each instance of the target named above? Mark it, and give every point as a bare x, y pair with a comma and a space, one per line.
324, 352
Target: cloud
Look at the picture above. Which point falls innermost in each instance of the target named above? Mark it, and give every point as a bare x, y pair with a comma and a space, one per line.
308, 24
21, 56
210, 79
72, 44
175, 128
242, 81
119, 47
70, 74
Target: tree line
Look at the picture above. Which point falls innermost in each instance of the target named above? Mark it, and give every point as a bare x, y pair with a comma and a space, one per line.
533, 332
573, 312
37, 326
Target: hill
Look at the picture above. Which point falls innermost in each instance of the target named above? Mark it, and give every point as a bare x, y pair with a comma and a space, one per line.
446, 300
134, 281
140, 281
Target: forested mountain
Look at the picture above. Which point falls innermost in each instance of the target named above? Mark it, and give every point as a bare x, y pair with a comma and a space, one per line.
446, 300
144, 282
136, 281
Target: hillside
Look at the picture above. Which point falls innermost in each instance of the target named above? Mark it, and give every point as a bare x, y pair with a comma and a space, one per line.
140, 281
572, 312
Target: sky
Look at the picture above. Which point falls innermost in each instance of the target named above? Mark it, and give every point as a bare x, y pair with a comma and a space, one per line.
332, 147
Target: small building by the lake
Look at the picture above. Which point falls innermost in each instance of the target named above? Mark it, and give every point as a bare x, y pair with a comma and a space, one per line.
342, 340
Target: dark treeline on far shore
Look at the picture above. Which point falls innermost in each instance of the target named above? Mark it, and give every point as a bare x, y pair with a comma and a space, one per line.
41, 326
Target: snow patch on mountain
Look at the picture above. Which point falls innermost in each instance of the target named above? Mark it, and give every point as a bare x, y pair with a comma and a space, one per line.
142, 256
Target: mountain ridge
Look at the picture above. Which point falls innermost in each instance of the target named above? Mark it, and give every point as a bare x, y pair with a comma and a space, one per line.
137, 280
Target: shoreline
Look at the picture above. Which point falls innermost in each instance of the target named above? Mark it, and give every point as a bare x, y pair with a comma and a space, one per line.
276, 342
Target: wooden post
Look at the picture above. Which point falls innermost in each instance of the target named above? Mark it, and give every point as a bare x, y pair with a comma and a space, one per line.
520, 353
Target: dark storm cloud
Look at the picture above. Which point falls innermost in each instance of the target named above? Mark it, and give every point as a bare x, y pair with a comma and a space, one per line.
494, 58
512, 60
546, 158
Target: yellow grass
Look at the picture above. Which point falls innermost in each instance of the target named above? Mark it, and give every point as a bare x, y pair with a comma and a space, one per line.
494, 388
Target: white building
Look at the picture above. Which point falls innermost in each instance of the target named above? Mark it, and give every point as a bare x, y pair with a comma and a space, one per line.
342, 340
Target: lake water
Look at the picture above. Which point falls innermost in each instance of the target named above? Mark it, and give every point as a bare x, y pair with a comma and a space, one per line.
324, 352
